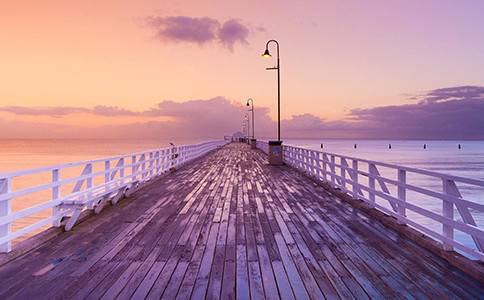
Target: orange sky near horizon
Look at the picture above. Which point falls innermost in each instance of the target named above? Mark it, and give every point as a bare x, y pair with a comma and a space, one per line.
336, 56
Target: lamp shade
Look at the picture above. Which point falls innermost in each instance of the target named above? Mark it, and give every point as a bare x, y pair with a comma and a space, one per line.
266, 54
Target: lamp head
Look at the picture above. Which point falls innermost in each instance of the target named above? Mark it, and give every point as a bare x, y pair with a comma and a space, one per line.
267, 54
247, 102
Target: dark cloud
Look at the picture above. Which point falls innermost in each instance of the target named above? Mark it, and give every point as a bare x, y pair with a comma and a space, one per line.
182, 28
199, 30
450, 113
455, 93
231, 32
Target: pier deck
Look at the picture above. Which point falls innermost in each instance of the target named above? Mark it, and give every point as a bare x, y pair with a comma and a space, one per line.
230, 226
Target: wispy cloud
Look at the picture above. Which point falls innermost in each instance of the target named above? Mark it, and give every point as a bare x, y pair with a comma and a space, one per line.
199, 30
64, 111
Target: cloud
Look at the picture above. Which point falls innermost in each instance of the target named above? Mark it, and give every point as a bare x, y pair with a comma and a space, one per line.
182, 28
231, 32
450, 113
64, 111
199, 30
43, 111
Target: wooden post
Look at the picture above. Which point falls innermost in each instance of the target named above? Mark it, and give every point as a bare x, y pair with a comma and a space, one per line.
107, 177
121, 171
371, 183
90, 183
333, 170
56, 193
133, 167
401, 194
5, 210
447, 212
354, 183
343, 172
151, 165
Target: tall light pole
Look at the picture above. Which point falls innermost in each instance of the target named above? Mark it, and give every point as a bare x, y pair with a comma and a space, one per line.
250, 99
246, 120
278, 68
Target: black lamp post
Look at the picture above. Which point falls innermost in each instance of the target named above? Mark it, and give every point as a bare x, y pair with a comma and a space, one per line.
250, 99
246, 120
267, 55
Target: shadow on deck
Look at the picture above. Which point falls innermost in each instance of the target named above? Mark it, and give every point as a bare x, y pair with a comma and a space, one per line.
230, 226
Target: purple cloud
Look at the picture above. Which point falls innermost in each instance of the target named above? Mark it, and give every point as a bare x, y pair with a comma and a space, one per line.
60, 111
44, 111
182, 28
450, 113
199, 30
231, 32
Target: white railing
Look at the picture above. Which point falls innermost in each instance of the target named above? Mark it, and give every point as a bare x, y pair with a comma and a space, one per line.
264, 146
95, 175
438, 209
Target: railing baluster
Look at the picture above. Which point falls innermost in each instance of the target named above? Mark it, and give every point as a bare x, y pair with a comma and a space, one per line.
447, 212
371, 183
133, 168
56, 193
333, 170
107, 177
343, 172
402, 195
355, 179
5, 210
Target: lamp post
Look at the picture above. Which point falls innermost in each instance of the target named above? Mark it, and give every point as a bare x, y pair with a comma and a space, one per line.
275, 147
250, 99
246, 120
278, 68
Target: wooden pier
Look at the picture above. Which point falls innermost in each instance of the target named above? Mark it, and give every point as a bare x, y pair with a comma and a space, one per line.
229, 226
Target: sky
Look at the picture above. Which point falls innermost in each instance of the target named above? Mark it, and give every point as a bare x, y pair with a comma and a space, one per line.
151, 69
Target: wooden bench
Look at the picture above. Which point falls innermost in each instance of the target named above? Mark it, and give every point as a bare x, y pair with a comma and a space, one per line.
96, 198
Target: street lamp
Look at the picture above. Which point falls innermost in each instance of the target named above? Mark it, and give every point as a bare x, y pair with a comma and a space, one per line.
267, 55
246, 120
250, 99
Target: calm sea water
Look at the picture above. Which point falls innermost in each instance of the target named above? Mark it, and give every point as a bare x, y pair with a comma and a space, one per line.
439, 156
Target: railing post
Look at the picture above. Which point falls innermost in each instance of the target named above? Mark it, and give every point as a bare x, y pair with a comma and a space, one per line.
56, 193
325, 167
107, 177
143, 166
402, 196
343, 172
5, 210
447, 212
354, 183
121, 171
151, 165
133, 167
371, 183
333, 170
89, 183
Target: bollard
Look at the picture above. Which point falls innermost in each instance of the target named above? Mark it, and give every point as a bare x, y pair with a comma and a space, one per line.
275, 153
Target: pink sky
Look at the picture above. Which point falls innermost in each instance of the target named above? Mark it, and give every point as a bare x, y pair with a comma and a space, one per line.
184, 68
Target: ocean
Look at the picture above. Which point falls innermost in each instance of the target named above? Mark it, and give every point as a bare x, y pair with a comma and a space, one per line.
463, 158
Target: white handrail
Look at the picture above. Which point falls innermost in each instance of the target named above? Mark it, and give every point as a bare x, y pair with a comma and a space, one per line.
144, 166
389, 188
